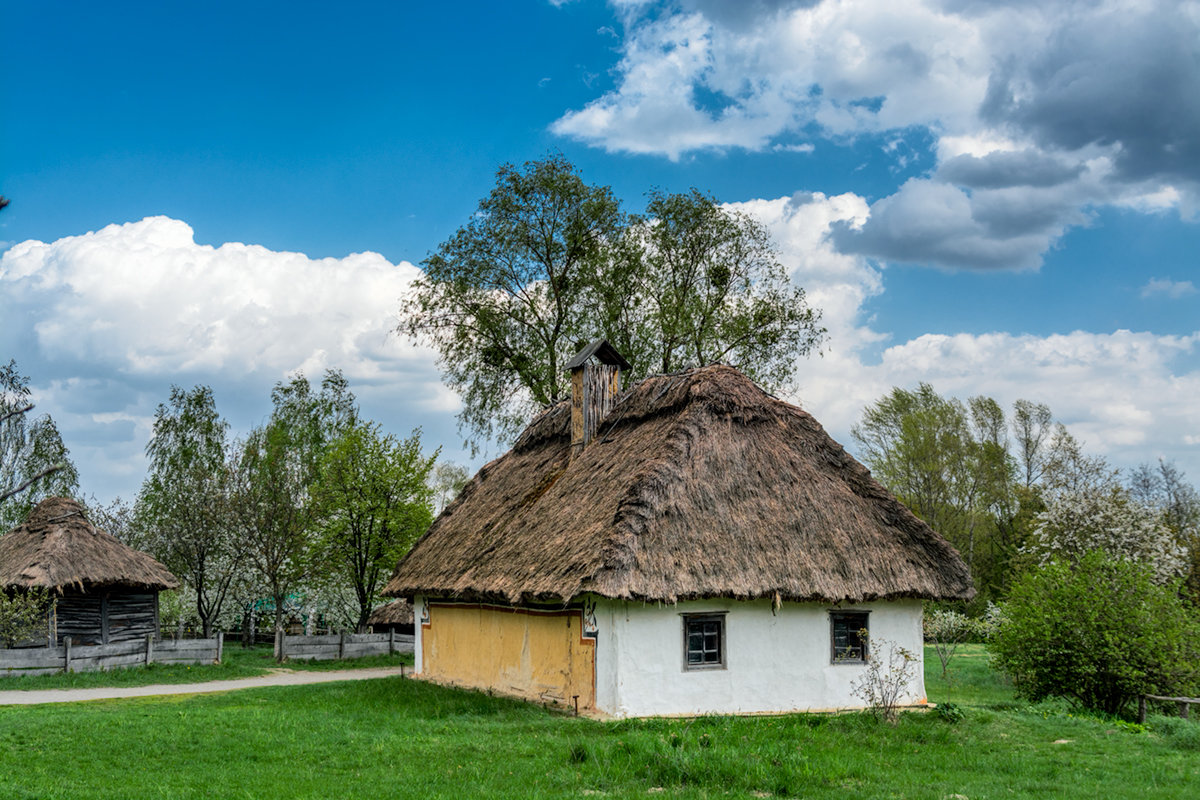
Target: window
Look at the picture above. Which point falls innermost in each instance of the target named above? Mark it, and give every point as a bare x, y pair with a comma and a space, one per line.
703, 641
848, 632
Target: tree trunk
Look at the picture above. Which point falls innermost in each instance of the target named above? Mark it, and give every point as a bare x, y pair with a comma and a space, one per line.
248, 626
279, 601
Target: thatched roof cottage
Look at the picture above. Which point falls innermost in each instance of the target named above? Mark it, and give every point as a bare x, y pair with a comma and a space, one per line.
692, 545
104, 591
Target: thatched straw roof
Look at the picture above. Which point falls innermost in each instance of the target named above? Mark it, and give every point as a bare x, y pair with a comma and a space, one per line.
57, 548
397, 612
698, 485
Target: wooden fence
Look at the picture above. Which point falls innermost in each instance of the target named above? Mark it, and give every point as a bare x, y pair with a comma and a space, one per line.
341, 645
1183, 702
46, 660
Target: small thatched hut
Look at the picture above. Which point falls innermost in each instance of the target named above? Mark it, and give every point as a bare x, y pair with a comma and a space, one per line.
103, 590
711, 549
394, 616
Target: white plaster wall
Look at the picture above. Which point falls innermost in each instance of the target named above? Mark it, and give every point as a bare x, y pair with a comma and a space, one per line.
608, 666
419, 630
773, 662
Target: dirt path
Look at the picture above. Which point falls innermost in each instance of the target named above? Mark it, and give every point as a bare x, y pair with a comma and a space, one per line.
275, 678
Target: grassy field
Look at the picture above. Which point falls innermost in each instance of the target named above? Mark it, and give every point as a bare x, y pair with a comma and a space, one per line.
237, 662
404, 738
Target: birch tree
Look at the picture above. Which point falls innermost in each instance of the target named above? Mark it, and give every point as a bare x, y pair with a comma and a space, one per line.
184, 507
34, 462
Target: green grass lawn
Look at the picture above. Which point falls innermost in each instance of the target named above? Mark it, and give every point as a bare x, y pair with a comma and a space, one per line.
969, 680
404, 738
237, 662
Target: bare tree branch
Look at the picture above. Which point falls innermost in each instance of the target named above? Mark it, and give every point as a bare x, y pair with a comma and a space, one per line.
48, 471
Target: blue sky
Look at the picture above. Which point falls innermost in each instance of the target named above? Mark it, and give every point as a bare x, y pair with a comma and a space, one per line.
996, 198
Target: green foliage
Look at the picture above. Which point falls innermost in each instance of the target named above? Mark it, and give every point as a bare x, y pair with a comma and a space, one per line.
1097, 632
184, 513
1163, 488
692, 283
950, 464
446, 481
23, 616
549, 262
277, 466
118, 518
500, 299
949, 712
34, 462
373, 498
1012, 492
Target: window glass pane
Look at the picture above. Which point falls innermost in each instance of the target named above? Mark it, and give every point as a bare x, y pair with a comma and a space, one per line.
703, 641
848, 641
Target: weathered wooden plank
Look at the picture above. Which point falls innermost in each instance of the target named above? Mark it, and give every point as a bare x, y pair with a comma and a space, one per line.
191, 658
323, 654
307, 645
106, 662
112, 649
332, 638
31, 656
195, 652
366, 649
46, 661
104, 619
182, 645
16, 673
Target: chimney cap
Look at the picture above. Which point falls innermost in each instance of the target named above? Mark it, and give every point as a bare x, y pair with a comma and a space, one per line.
603, 351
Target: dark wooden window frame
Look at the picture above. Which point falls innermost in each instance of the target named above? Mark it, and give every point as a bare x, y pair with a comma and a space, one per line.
854, 650
701, 620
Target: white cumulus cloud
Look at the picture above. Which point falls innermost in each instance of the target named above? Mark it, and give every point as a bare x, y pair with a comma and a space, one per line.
144, 297
1128, 395
104, 322
1168, 288
1037, 113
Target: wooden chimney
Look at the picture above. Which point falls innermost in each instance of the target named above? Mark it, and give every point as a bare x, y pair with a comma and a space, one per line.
595, 380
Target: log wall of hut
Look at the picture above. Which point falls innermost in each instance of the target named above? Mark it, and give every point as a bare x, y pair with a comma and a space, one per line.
101, 617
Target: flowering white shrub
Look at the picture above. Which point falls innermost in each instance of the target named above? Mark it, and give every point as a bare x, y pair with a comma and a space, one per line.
1107, 520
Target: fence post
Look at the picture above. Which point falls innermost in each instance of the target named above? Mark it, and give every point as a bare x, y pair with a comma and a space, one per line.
342, 644
149, 649
1141, 708
1183, 709
66, 654
391, 641
220, 645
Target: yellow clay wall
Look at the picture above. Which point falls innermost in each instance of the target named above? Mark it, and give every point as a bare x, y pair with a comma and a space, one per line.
532, 654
